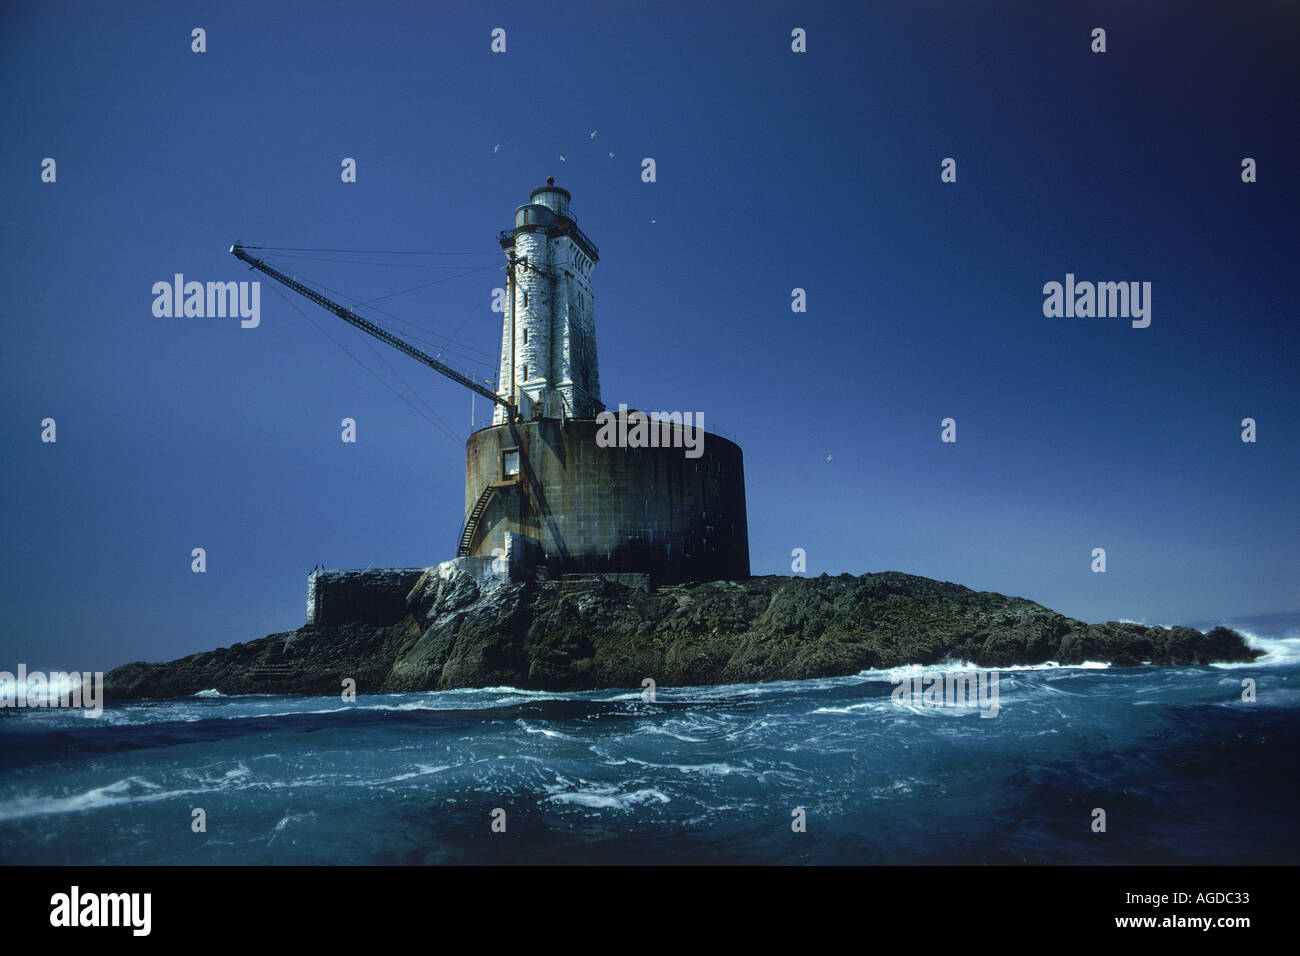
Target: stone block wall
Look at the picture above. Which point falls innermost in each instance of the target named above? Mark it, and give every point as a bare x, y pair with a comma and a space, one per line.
371, 596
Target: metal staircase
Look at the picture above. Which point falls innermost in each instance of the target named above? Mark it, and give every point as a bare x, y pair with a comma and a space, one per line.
471, 523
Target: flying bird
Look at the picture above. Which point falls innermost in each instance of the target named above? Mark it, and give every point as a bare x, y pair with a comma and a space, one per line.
592, 135
496, 147
562, 159
828, 459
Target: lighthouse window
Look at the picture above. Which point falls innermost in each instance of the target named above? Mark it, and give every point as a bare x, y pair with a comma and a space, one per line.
525, 336
525, 298
510, 462
525, 373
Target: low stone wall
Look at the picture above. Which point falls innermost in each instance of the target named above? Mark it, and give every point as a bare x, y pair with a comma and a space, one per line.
374, 596
377, 596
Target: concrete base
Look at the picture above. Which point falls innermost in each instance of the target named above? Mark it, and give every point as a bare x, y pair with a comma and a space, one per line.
598, 509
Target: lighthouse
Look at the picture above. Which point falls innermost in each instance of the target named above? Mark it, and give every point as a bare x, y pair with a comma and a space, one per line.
548, 337
541, 484
547, 486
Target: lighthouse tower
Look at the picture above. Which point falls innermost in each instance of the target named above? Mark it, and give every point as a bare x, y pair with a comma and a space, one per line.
548, 336
543, 489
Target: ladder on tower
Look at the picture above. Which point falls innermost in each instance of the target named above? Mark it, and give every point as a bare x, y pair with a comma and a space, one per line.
471, 523
476, 513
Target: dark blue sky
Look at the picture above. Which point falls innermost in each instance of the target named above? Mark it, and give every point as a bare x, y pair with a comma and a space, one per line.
775, 171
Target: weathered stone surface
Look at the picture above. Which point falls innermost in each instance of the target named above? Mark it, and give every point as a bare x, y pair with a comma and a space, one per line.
463, 631
310, 660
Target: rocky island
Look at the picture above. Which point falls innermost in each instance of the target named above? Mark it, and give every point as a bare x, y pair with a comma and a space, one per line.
458, 629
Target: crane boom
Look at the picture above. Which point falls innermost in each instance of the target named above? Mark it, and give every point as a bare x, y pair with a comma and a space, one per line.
350, 317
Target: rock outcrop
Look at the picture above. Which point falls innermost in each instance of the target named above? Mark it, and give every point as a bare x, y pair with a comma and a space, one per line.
463, 630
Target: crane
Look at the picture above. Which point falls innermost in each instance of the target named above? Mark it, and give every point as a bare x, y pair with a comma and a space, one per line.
350, 317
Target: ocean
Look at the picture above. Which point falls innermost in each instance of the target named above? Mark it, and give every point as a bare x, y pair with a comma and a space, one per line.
832, 771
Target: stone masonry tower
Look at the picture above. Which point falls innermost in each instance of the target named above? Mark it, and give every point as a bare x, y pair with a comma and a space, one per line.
548, 336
